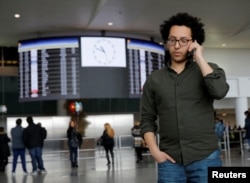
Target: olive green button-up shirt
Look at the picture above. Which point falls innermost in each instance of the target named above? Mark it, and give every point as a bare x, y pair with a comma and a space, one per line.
183, 104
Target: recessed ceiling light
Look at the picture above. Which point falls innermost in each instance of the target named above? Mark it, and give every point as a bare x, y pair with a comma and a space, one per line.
224, 45
17, 15
110, 23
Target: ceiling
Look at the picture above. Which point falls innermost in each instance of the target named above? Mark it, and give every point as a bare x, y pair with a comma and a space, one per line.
226, 21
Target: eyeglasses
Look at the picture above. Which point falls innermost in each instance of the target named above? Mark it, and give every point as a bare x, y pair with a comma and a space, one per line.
181, 41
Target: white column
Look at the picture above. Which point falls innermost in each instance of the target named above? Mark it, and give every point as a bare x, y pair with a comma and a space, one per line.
61, 111
241, 105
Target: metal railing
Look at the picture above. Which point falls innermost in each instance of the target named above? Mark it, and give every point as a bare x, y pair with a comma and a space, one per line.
58, 148
228, 141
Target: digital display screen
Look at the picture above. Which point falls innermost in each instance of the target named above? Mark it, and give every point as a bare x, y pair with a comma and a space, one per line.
143, 57
49, 69
103, 52
85, 67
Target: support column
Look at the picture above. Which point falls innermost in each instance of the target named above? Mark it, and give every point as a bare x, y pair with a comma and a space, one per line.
61, 111
241, 105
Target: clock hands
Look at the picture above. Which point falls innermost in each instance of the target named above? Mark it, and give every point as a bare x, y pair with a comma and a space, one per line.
101, 49
104, 51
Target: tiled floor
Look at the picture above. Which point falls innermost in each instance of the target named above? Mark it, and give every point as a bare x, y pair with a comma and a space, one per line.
95, 170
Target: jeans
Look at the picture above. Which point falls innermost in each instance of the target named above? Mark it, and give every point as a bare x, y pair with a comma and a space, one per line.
36, 158
19, 152
73, 155
196, 172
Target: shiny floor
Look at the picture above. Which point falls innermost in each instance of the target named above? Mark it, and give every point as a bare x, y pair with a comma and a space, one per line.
95, 170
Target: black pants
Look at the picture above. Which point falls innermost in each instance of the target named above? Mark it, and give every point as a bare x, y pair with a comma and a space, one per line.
109, 150
138, 151
3, 163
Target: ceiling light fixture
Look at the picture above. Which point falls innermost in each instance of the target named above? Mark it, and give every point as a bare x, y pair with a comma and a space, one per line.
224, 114
17, 15
110, 23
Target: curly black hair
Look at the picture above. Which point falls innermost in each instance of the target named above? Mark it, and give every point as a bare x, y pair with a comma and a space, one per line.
198, 32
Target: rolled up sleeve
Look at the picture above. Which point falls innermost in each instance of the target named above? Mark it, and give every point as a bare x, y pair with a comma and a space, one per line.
148, 110
216, 83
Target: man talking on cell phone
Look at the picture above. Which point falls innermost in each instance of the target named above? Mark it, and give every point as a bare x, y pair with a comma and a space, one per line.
181, 96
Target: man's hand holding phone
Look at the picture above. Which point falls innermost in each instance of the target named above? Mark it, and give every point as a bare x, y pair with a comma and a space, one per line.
195, 51
191, 53
198, 58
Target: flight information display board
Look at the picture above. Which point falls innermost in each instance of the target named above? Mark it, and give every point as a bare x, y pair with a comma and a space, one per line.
49, 69
143, 57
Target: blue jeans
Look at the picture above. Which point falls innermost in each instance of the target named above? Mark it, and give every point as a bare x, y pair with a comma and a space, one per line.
19, 152
36, 158
73, 155
196, 172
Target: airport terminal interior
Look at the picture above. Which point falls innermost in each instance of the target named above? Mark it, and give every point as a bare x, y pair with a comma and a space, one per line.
100, 67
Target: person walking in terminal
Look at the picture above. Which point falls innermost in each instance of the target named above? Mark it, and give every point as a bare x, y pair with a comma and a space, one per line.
108, 142
33, 138
181, 95
247, 128
138, 141
74, 142
4, 149
18, 147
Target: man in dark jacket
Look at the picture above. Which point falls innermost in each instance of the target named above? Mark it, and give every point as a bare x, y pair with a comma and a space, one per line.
44, 131
4, 149
33, 138
247, 127
18, 147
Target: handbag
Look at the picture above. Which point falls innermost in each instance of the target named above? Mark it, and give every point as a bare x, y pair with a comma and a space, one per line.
99, 142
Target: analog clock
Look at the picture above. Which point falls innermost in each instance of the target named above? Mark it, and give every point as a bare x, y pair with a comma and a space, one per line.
104, 51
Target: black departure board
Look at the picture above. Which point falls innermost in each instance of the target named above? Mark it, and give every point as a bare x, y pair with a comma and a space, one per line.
143, 57
49, 69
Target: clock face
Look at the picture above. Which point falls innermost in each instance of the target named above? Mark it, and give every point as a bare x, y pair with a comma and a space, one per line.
104, 51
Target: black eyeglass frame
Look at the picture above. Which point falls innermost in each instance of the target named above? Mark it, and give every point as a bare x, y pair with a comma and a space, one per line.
181, 41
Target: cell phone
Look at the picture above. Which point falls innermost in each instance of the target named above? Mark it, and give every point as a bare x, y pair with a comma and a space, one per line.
191, 54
